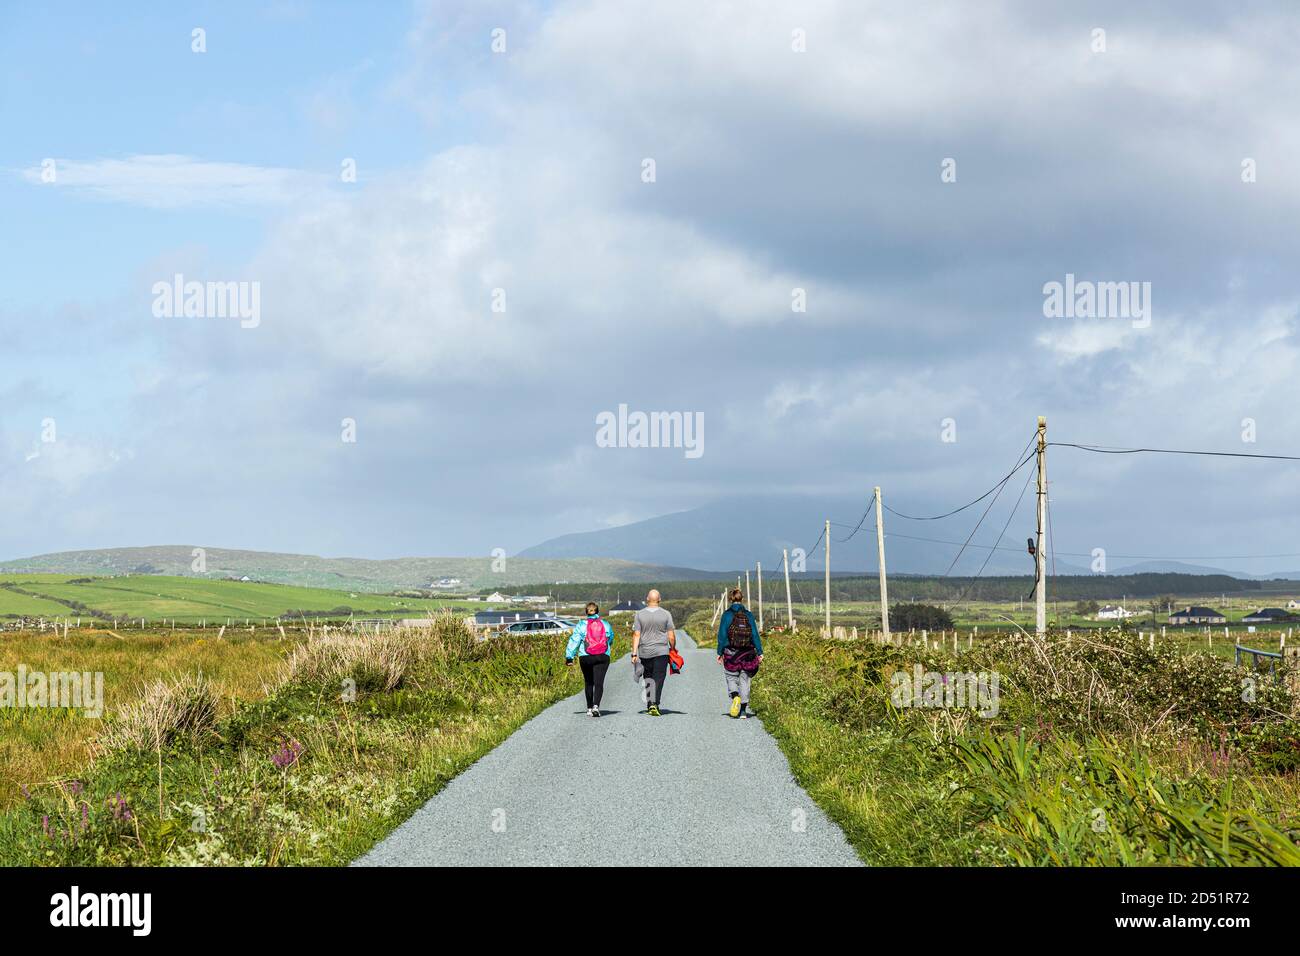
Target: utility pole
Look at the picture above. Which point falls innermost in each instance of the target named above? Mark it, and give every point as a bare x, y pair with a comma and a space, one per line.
880, 554
789, 607
828, 578
747, 597
1040, 560
760, 597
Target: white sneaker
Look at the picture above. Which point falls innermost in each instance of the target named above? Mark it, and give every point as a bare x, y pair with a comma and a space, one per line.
589, 712
595, 711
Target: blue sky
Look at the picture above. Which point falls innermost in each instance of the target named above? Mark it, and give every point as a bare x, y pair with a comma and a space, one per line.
521, 170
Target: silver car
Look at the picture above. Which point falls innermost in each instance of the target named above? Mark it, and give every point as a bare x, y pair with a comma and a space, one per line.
542, 628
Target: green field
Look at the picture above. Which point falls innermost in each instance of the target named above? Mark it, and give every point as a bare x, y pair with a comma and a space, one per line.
353, 574
192, 600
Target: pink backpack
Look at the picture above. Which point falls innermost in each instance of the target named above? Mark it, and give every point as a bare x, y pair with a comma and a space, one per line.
597, 642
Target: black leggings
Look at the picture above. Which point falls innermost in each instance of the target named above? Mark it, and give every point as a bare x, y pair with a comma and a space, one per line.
593, 674
656, 672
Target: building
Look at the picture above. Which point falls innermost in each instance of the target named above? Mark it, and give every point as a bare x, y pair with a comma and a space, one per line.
1267, 615
444, 583
1197, 615
1293, 605
1113, 612
627, 607
496, 597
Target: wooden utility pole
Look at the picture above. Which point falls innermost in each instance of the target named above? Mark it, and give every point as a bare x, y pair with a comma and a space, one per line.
880, 554
747, 597
1040, 559
760, 597
828, 578
789, 607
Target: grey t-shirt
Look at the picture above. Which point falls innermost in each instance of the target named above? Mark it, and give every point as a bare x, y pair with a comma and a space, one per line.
653, 623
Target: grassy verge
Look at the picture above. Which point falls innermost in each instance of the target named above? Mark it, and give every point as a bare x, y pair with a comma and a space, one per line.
39, 746
1102, 751
355, 734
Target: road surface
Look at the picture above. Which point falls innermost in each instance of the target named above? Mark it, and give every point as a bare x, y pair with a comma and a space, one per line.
691, 788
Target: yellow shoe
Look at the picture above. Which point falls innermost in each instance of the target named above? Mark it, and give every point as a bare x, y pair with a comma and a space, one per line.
735, 706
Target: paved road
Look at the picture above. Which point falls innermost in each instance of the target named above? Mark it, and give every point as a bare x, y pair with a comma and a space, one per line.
690, 788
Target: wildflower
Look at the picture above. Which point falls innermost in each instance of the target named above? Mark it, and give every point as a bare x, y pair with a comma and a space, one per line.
121, 811
287, 755
45, 825
27, 794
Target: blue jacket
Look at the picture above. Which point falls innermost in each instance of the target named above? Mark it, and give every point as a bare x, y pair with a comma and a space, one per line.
727, 615
578, 640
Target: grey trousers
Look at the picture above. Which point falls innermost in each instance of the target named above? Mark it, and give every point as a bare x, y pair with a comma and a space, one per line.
738, 683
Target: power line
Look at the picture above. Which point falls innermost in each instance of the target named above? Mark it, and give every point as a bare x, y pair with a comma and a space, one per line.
982, 517
1082, 554
1110, 450
969, 504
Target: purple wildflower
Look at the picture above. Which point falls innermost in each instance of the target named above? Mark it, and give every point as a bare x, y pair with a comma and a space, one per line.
27, 794
287, 755
119, 807
45, 825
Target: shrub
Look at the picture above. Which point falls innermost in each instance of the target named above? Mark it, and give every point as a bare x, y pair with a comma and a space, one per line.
166, 712
919, 617
380, 660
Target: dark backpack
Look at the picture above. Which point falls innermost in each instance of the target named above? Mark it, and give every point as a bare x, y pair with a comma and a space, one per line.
739, 634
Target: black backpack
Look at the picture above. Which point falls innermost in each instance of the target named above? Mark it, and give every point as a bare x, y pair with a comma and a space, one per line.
739, 634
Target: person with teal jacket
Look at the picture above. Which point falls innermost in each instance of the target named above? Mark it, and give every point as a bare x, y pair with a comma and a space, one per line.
592, 641
740, 651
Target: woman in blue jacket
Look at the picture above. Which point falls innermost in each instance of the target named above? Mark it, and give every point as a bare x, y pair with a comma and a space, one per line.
592, 641
740, 651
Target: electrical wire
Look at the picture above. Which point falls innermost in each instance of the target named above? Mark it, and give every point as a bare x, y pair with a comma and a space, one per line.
948, 514
982, 517
1111, 450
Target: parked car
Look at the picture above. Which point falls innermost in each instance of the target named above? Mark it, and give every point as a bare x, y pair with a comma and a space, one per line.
544, 628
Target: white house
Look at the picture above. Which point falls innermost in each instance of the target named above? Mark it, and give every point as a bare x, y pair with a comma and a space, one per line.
1113, 612
496, 597
1292, 605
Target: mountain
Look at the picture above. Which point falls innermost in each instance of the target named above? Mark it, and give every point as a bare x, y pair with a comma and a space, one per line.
1176, 567
358, 574
736, 532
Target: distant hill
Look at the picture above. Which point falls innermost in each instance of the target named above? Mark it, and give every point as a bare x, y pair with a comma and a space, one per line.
358, 574
1175, 567
736, 532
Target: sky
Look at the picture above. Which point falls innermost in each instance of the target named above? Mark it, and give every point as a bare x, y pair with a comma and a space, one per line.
823, 228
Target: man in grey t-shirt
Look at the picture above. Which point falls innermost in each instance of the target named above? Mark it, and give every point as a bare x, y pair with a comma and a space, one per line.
653, 635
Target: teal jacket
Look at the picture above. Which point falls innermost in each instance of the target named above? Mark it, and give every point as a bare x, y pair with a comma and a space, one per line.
578, 640
726, 623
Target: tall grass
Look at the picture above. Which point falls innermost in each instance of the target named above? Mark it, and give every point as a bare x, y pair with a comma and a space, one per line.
39, 747
166, 712
1103, 751
355, 733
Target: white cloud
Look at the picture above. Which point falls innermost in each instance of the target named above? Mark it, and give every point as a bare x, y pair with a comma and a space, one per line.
170, 181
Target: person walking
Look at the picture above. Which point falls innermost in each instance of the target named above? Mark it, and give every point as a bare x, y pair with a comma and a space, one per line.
592, 641
653, 636
740, 651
